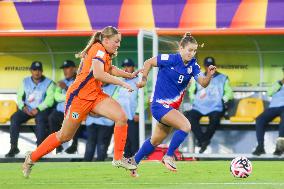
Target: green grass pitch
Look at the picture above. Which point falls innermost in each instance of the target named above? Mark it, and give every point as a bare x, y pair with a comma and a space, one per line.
197, 175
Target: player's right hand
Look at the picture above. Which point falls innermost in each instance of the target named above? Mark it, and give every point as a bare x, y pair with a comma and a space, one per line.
135, 74
141, 84
127, 86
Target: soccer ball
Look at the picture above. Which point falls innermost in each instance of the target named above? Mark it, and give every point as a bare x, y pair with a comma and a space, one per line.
241, 167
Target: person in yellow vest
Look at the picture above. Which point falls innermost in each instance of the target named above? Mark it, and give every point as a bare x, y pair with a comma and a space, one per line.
275, 109
35, 98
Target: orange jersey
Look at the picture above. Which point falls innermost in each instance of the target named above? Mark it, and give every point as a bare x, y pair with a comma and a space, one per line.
85, 85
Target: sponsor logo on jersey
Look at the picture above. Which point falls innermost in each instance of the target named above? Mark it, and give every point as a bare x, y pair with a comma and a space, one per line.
165, 57
100, 54
166, 105
75, 115
189, 70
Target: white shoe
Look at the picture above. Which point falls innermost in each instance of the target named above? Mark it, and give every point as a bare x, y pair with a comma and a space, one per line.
27, 165
133, 172
124, 163
169, 163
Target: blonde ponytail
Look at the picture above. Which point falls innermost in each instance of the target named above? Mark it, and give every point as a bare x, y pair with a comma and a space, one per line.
83, 53
107, 32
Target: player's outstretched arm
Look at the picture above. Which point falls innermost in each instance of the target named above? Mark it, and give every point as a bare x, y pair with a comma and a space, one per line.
205, 80
101, 75
115, 71
148, 64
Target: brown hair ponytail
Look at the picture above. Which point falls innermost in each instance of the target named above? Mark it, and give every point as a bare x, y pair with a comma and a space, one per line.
187, 38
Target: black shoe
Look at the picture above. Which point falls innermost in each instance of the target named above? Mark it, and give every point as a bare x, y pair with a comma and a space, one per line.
258, 151
71, 150
277, 152
59, 149
13, 151
203, 146
198, 144
279, 147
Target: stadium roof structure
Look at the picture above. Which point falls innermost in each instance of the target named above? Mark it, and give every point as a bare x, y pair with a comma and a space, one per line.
134, 32
82, 17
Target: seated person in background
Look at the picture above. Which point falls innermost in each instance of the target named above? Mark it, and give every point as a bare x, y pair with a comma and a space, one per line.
129, 103
35, 98
209, 101
275, 109
56, 117
99, 132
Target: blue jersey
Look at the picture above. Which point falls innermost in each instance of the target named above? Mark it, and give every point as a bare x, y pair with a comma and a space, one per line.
173, 78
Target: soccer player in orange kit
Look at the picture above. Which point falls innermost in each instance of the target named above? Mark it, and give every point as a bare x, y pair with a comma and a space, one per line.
85, 96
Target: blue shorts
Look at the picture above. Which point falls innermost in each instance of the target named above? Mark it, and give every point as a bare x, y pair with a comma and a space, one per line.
159, 110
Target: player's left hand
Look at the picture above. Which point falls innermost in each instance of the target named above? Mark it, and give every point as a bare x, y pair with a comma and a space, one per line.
212, 70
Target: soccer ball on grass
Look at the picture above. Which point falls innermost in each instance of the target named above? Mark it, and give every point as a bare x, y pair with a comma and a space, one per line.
241, 167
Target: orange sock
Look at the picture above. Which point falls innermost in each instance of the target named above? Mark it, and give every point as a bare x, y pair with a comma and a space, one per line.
120, 135
49, 144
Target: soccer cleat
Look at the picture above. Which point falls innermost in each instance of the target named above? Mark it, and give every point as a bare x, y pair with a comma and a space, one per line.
27, 165
133, 172
124, 163
259, 150
169, 163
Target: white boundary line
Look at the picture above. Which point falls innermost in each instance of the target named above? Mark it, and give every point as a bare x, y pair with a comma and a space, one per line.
147, 183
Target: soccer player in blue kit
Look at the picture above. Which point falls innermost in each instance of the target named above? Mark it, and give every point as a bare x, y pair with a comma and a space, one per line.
175, 72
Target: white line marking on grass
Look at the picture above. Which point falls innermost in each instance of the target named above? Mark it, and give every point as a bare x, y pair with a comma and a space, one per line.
145, 183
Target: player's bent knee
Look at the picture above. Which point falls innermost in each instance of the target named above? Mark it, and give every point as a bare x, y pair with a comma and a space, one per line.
63, 137
121, 119
186, 128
